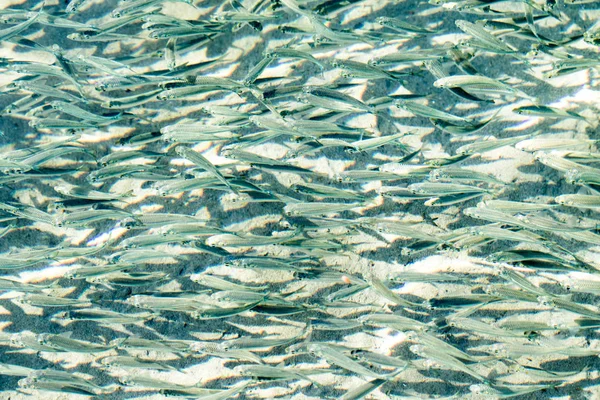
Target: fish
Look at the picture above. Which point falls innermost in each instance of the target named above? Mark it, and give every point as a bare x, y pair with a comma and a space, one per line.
578, 200
307, 209
402, 26
63, 342
447, 361
333, 99
475, 83
134, 362
429, 112
270, 372
547, 112
483, 38
103, 316
336, 357
202, 162
6, 34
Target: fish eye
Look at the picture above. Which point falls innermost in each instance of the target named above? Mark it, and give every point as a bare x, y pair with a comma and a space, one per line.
14, 339
531, 334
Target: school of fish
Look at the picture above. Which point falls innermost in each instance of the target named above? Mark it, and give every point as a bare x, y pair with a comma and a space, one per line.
307, 199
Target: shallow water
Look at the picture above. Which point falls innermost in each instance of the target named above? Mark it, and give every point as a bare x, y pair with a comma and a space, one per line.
299, 199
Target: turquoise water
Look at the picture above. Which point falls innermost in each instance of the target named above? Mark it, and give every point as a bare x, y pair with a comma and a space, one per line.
299, 199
